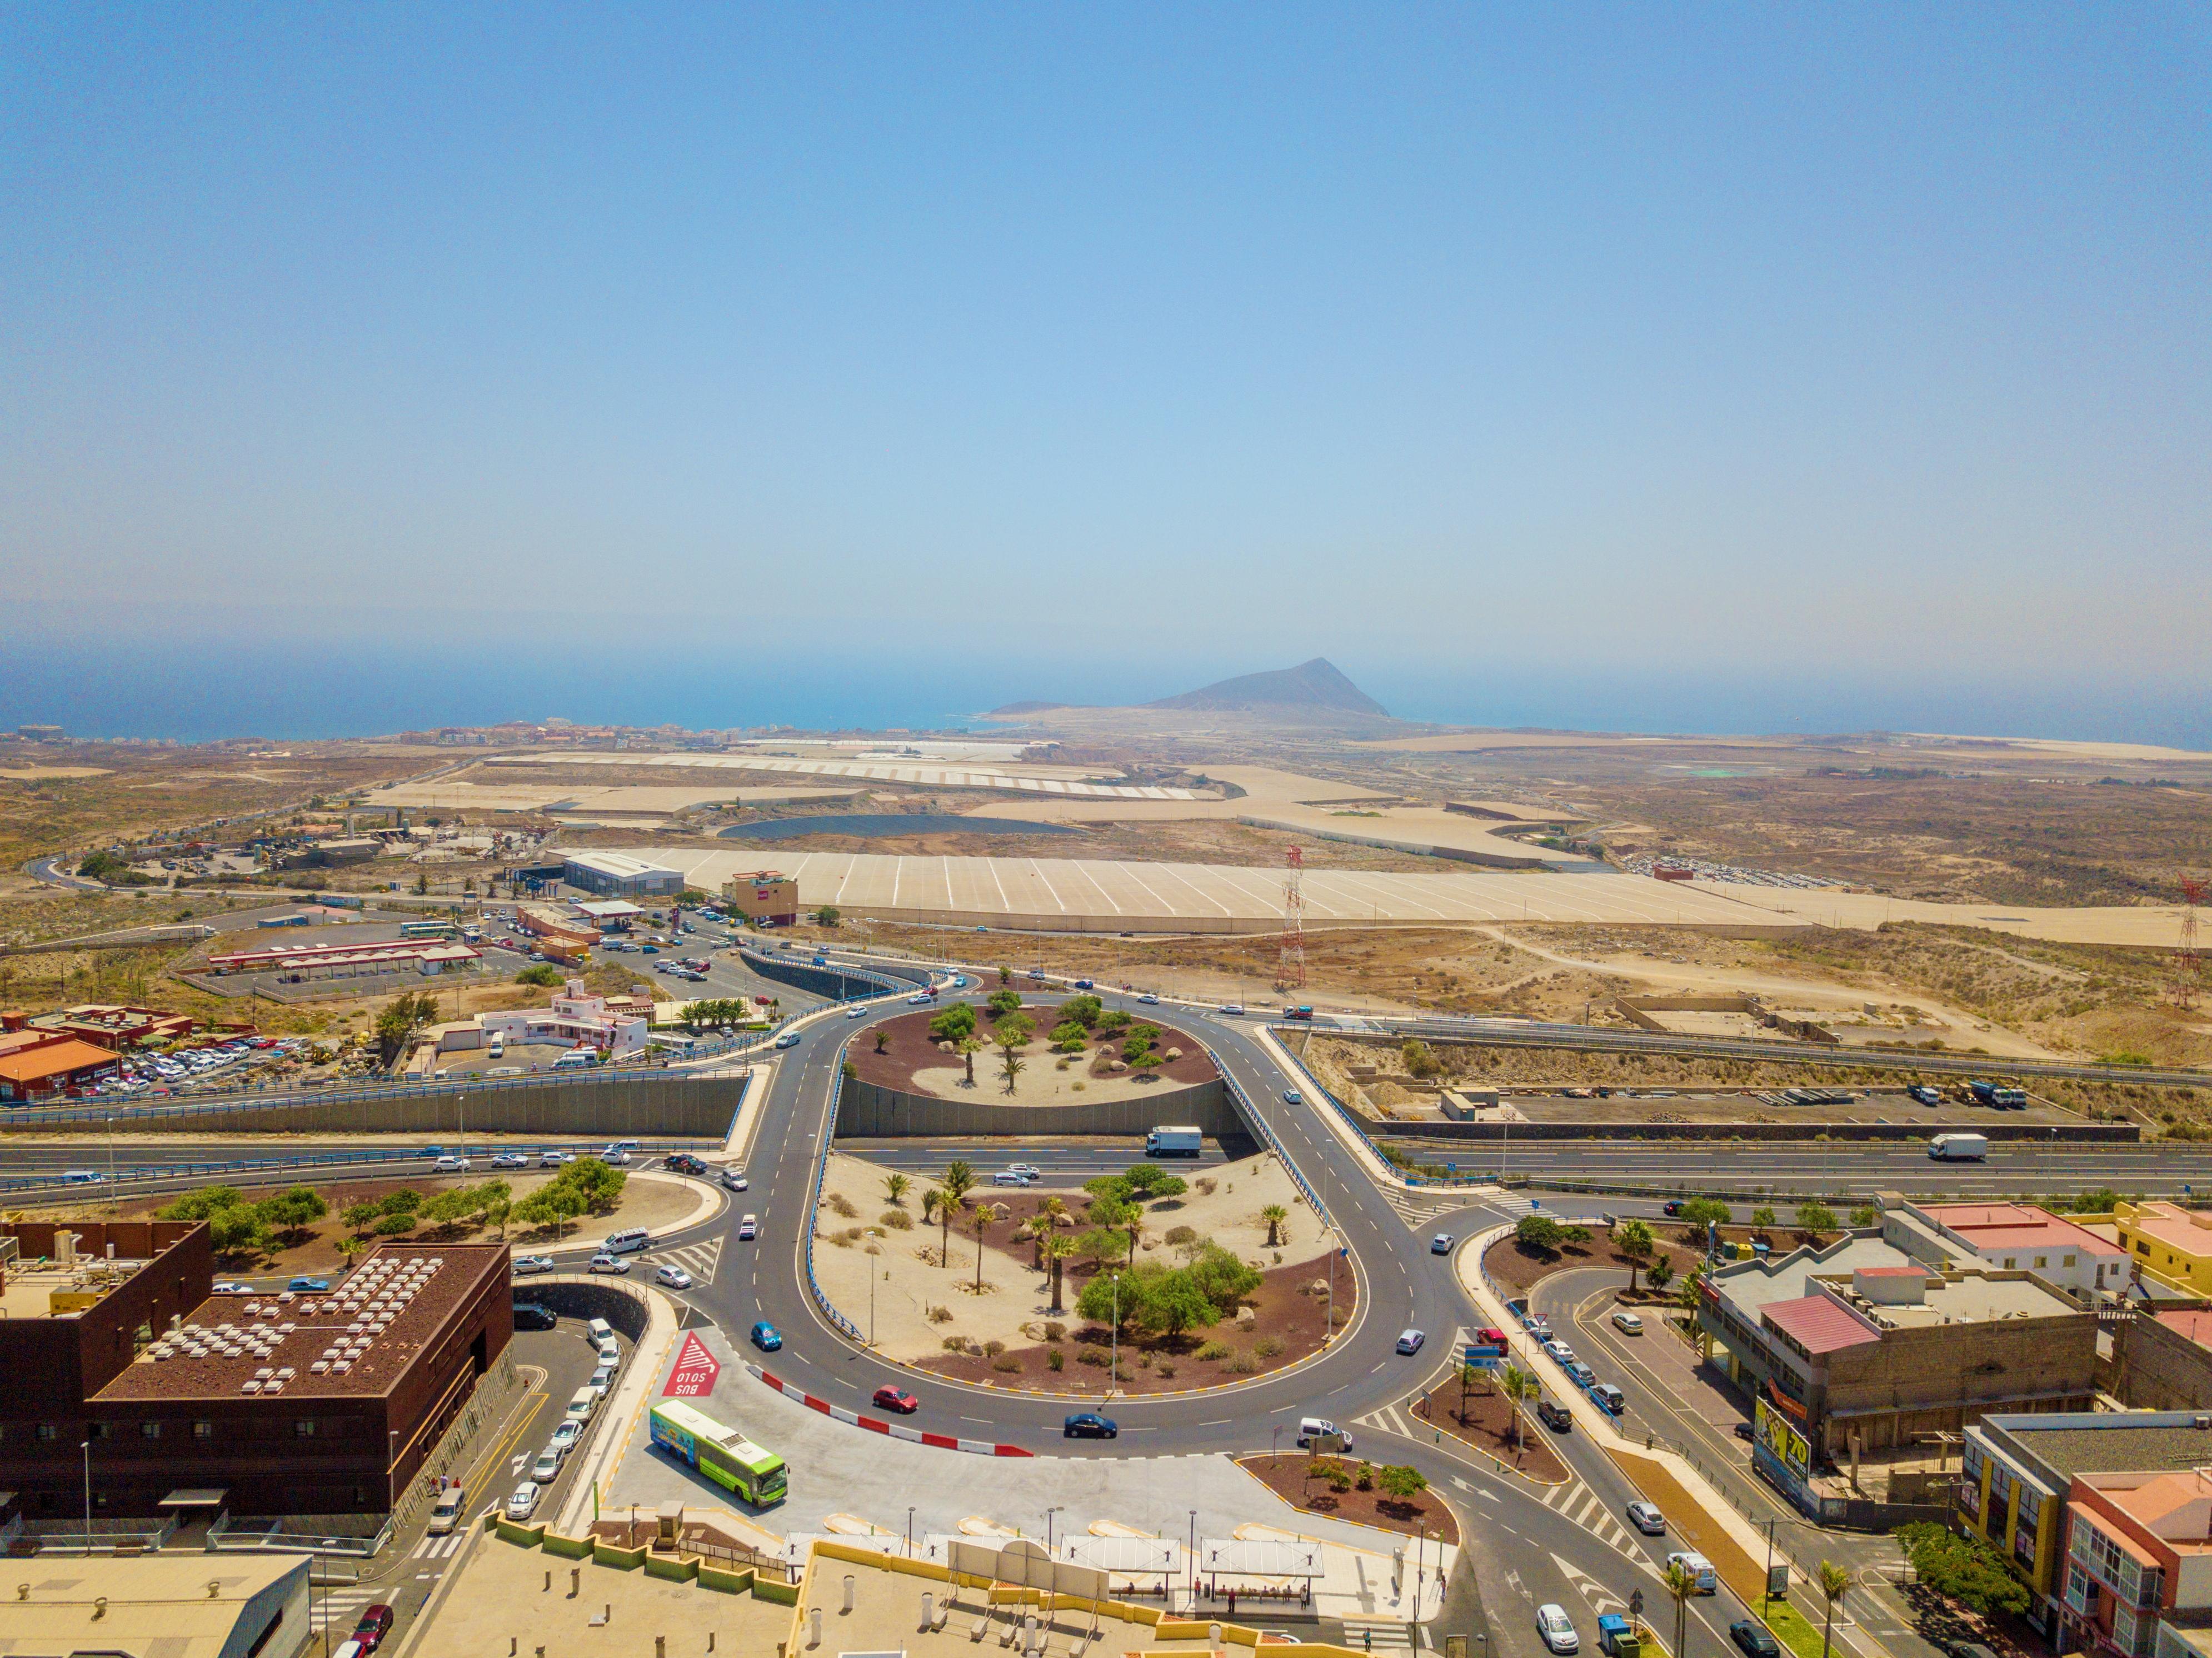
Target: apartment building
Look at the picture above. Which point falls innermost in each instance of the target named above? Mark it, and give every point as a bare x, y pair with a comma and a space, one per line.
2012, 1237
2168, 1243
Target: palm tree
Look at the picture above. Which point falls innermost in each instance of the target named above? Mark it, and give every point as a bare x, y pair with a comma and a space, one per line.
986, 1213
958, 1180
894, 1186
1274, 1214
931, 1201
1834, 1580
1056, 1248
1010, 1059
1681, 1583
1519, 1384
1634, 1240
968, 1047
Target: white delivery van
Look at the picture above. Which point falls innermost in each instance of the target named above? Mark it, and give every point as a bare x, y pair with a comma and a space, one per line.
1180, 1142
1701, 1571
582, 1404
1959, 1148
1312, 1428
627, 1241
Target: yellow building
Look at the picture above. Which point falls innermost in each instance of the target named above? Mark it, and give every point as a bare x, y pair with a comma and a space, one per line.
2168, 1242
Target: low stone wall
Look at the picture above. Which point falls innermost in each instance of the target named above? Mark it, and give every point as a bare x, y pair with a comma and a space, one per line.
870, 1111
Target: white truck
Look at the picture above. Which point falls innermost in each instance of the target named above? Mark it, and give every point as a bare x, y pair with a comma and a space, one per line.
1959, 1148
1175, 1143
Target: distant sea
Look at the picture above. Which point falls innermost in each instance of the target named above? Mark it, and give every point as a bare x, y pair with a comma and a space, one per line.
302, 687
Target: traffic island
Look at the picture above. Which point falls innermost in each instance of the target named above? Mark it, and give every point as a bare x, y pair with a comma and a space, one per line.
1483, 1417
1344, 1488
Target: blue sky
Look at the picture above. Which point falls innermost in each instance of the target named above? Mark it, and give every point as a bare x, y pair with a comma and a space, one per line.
1835, 360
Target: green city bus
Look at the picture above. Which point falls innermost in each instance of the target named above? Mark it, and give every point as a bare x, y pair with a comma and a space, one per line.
723, 1454
428, 930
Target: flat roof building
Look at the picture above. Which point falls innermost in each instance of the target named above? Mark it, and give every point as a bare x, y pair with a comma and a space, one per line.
165, 1606
767, 895
427, 955
2167, 1243
35, 1063
280, 1404
2013, 1237
619, 874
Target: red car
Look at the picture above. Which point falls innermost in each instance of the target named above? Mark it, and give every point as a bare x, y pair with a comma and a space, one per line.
1490, 1337
375, 1624
896, 1399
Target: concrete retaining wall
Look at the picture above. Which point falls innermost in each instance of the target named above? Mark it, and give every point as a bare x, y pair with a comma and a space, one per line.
576, 1297
695, 1105
869, 1111
828, 981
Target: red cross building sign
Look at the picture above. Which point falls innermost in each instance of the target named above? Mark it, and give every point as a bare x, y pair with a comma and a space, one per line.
694, 1373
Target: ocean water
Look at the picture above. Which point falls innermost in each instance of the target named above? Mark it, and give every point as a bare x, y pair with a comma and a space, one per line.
296, 686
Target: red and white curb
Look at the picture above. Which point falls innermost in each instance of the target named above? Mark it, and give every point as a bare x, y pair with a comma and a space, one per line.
912, 1435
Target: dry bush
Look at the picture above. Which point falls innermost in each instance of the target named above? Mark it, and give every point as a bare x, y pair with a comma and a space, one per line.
1269, 1346
1006, 1362
897, 1219
841, 1204
940, 1315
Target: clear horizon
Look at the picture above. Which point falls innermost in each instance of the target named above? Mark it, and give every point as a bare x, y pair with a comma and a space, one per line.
1756, 368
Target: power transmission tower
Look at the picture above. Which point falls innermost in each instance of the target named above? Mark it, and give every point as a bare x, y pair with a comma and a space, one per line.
2189, 964
1291, 966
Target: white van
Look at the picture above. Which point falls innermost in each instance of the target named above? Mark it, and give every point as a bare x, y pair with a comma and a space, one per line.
627, 1240
1312, 1428
576, 1058
83, 1177
601, 1331
582, 1404
1707, 1581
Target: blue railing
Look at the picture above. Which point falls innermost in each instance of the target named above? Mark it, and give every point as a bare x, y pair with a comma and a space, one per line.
1282, 1152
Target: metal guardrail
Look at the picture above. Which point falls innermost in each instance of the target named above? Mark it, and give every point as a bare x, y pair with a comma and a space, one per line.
814, 1202
302, 1160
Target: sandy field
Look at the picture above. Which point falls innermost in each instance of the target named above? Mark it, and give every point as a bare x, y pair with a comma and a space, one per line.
1015, 1295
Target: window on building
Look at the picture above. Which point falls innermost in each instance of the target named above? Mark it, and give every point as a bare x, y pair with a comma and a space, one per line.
2043, 1260
304, 1428
95, 1430
2069, 1261
203, 1430
150, 1431
2011, 1262
47, 1430
2141, 1248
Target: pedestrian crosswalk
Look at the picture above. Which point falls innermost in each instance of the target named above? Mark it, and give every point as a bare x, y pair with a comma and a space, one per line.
1392, 1420
1579, 1505
699, 1259
1378, 1635
437, 1548
341, 1608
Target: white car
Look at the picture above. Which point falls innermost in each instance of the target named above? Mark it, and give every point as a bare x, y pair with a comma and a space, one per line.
606, 1263
615, 1155
510, 1160
674, 1277
564, 1439
452, 1165
856, 1012
1010, 1177
555, 1159
524, 1265
733, 1180
524, 1503
1148, 1000
547, 1469
748, 1228
1557, 1629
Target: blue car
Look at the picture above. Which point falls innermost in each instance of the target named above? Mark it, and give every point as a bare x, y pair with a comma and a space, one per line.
317, 1285
765, 1337
1089, 1424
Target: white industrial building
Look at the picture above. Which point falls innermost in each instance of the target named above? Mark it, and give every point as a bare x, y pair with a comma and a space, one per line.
619, 873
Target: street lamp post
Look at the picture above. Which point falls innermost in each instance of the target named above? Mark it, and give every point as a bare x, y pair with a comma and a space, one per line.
1056, 1508
1114, 1364
909, 1531
87, 1448
1194, 1559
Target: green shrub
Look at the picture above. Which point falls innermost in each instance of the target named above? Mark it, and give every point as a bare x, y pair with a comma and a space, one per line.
1240, 1362
1006, 1362
1213, 1350
1055, 1360
1269, 1346
544, 973
1087, 1354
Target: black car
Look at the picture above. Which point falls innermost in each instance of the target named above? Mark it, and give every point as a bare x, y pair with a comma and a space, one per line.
1672, 1206
529, 1316
1743, 1431
1553, 1415
685, 1164
1089, 1424
1753, 1639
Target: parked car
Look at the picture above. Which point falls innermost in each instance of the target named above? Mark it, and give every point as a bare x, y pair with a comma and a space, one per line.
766, 1337
888, 1398
604, 1262
565, 1437
1754, 1640
1647, 1519
1537, 1325
1559, 1353
309, 1286
528, 1265
1609, 1398
1584, 1377
1089, 1424
674, 1277
524, 1503
1628, 1323
374, 1624
1409, 1341
1557, 1629
1441, 1244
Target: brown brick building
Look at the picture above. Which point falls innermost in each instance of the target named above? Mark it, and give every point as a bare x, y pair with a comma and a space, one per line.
289, 1403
